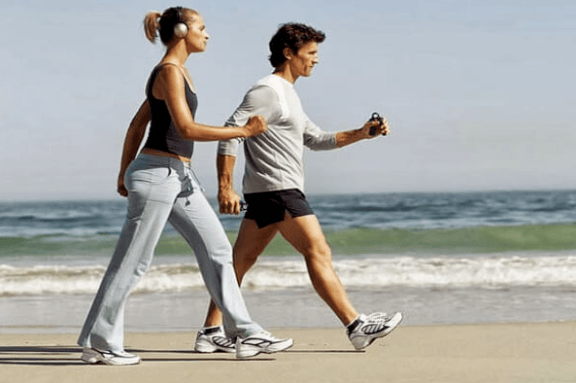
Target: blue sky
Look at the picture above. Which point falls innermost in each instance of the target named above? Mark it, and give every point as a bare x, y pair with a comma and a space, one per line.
479, 94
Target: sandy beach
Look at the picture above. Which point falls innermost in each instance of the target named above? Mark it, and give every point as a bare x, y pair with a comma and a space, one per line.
491, 353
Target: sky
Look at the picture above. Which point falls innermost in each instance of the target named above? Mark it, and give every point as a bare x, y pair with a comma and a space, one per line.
479, 95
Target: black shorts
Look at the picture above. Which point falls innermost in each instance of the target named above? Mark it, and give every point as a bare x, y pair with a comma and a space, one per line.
270, 207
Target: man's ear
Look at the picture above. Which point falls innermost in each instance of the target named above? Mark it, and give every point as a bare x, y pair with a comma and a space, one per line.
288, 53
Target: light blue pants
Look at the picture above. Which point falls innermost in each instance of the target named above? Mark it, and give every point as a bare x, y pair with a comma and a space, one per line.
162, 189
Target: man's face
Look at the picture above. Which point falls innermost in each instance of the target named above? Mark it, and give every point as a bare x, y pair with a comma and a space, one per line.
303, 62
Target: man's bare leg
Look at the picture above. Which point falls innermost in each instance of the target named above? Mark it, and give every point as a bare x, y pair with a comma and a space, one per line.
250, 243
305, 234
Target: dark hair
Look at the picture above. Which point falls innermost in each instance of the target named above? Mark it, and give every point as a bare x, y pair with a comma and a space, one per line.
293, 36
163, 23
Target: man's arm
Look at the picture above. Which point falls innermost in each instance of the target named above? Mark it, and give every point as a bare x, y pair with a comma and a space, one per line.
256, 101
227, 198
352, 136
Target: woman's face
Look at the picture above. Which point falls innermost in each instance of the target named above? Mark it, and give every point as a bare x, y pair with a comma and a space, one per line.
197, 37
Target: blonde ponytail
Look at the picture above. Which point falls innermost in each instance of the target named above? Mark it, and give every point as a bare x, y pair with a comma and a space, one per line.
151, 25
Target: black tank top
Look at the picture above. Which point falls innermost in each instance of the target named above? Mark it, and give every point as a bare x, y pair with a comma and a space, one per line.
163, 135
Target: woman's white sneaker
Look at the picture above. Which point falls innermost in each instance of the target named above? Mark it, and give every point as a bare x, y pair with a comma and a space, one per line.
262, 342
113, 358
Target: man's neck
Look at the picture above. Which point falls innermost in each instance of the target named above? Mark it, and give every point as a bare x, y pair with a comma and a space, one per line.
286, 74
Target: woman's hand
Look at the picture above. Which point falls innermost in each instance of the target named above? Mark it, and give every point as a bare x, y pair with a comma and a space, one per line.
121, 187
256, 125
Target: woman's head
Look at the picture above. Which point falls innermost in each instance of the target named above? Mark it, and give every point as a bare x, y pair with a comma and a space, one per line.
173, 23
292, 36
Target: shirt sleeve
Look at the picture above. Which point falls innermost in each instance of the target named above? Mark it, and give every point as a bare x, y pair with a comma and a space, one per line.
317, 139
260, 100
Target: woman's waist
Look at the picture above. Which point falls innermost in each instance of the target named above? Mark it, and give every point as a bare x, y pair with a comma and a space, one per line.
151, 161
161, 153
169, 143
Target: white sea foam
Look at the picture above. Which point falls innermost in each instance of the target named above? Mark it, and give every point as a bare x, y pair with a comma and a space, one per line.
373, 273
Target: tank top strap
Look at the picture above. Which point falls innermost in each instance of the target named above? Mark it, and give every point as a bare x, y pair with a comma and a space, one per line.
153, 75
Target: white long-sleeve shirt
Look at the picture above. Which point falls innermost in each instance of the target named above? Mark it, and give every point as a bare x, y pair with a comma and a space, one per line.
274, 158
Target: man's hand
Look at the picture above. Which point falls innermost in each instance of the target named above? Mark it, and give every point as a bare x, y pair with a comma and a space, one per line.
381, 128
229, 201
352, 136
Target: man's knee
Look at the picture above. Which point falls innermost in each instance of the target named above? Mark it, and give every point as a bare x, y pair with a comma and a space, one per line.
246, 258
318, 254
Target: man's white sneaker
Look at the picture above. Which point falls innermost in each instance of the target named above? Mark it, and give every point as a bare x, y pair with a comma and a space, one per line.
262, 342
113, 358
366, 329
213, 339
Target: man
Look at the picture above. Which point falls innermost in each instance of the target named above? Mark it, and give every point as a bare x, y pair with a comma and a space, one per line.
274, 183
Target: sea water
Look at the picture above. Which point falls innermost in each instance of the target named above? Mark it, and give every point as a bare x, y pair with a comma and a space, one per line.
438, 257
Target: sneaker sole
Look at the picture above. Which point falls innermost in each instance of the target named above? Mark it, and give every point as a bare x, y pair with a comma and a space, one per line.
205, 349
90, 359
205, 346
249, 352
93, 357
209, 349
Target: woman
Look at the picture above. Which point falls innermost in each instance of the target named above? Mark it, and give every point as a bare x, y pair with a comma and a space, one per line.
160, 187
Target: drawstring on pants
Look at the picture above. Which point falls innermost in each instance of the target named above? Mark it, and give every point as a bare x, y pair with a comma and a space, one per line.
190, 189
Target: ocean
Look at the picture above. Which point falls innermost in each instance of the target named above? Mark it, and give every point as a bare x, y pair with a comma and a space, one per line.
441, 258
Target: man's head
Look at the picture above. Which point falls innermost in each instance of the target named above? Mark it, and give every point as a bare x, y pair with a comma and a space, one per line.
289, 39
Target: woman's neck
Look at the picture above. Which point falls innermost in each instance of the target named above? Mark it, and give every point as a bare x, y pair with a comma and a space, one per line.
176, 54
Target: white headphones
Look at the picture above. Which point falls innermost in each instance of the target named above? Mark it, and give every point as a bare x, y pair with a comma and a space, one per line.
181, 28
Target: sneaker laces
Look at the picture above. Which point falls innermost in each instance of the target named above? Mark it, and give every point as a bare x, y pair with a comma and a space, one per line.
378, 315
264, 334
